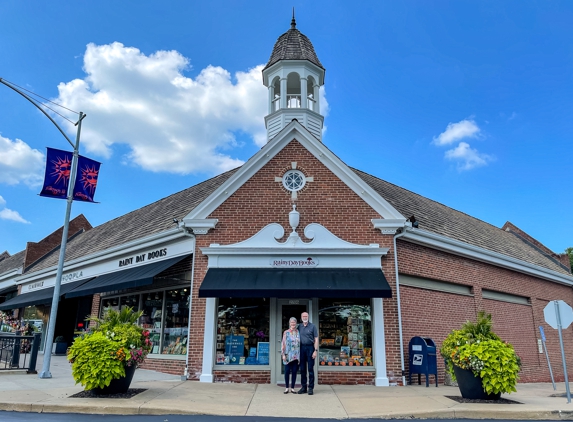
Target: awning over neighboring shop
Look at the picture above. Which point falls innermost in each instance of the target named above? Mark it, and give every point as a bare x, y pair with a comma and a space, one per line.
125, 279
39, 297
295, 282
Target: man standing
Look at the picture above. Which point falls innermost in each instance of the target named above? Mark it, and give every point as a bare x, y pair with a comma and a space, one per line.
308, 352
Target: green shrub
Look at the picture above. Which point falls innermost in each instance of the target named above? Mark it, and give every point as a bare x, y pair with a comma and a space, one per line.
477, 348
102, 354
94, 361
60, 339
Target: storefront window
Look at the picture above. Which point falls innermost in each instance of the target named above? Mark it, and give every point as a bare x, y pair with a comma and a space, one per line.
176, 322
152, 318
165, 315
243, 332
132, 301
345, 330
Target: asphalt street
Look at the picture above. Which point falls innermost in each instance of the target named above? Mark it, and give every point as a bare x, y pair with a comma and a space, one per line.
59, 417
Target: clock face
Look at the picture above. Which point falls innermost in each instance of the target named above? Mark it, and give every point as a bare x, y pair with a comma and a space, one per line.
294, 180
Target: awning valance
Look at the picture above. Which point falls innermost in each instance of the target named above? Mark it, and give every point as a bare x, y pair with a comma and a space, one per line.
40, 297
295, 282
125, 279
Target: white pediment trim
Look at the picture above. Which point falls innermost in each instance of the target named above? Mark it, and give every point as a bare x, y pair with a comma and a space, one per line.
329, 250
294, 130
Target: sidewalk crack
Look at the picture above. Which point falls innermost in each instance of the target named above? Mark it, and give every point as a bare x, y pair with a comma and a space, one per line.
250, 401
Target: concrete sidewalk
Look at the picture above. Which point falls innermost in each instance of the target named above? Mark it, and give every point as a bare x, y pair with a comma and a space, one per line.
167, 394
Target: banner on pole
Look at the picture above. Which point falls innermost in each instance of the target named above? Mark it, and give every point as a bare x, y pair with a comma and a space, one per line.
86, 179
57, 176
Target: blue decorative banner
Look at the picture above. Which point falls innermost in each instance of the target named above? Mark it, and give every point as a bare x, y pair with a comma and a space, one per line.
57, 177
86, 179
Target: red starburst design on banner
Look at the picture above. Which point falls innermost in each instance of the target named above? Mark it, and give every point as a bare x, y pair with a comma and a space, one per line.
62, 170
89, 178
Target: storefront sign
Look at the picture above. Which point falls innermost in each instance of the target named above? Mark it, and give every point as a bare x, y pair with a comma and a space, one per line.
147, 256
35, 285
294, 263
72, 276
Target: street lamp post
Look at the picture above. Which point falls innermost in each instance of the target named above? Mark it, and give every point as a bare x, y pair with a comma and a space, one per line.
45, 373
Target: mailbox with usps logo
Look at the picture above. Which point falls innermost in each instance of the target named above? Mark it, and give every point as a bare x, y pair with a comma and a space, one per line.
423, 359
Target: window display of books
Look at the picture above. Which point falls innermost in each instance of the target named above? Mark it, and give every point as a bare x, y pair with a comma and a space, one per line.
344, 341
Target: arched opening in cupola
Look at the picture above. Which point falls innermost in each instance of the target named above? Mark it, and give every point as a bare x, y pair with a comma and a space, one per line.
312, 93
275, 94
293, 90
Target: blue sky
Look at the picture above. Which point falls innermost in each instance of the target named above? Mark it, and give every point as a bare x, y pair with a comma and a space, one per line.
465, 102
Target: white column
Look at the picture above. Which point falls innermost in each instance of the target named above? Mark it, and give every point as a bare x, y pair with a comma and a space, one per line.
209, 340
303, 93
283, 99
317, 98
271, 98
379, 343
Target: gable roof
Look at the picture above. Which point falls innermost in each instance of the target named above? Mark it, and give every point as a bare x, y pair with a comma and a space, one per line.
443, 220
431, 215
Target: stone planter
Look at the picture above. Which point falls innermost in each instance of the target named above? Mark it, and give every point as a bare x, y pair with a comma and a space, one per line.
471, 387
117, 386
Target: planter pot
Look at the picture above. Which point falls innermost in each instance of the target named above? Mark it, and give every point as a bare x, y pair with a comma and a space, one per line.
471, 387
117, 386
60, 348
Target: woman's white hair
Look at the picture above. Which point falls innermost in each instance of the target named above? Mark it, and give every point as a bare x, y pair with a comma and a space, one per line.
293, 319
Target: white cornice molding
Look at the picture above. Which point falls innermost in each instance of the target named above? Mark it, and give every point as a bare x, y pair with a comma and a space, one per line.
111, 253
11, 273
200, 225
294, 130
436, 241
390, 225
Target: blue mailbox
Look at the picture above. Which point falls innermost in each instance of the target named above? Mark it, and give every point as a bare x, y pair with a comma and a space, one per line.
423, 359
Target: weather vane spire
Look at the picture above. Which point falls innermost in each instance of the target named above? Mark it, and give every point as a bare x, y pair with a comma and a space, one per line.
293, 22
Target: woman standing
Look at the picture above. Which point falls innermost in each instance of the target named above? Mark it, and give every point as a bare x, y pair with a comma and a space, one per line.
290, 352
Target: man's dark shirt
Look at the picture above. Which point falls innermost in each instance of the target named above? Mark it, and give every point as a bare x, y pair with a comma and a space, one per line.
307, 334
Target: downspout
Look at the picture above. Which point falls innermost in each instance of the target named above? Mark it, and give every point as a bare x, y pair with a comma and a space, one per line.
401, 232
185, 375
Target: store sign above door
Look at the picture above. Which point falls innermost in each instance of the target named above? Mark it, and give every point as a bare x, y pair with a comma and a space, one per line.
147, 256
308, 262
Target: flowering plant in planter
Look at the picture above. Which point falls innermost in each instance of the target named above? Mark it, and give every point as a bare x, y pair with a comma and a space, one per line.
477, 348
103, 353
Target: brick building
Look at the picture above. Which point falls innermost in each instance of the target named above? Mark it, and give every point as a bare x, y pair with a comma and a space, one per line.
220, 267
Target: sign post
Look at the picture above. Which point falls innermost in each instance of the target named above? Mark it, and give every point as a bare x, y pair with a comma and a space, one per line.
561, 317
547, 356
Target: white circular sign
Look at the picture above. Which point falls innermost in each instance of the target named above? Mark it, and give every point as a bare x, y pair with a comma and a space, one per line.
565, 313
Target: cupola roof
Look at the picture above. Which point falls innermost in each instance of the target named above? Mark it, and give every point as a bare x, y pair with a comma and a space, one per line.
293, 45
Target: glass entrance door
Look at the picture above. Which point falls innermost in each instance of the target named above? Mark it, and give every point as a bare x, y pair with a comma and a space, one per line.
286, 308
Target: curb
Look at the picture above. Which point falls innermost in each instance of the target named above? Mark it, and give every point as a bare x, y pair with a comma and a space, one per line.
151, 410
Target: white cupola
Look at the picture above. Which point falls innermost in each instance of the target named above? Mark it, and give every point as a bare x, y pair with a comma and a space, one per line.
293, 76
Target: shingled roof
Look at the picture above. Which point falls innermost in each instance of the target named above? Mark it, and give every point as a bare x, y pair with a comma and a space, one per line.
12, 262
431, 215
446, 221
293, 45
152, 218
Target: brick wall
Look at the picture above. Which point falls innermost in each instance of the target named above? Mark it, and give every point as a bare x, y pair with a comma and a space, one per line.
250, 377
175, 367
36, 250
346, 378
434, 314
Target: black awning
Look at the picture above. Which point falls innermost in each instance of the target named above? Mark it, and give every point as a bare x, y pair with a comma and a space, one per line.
40, 297
125, 279
295, 282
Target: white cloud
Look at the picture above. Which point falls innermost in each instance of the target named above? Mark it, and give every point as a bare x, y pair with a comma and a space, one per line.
457, 131
8, 214
467, 157
19, 163
171, 122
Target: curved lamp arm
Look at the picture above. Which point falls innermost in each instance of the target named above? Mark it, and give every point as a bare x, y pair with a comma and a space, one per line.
42, 110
